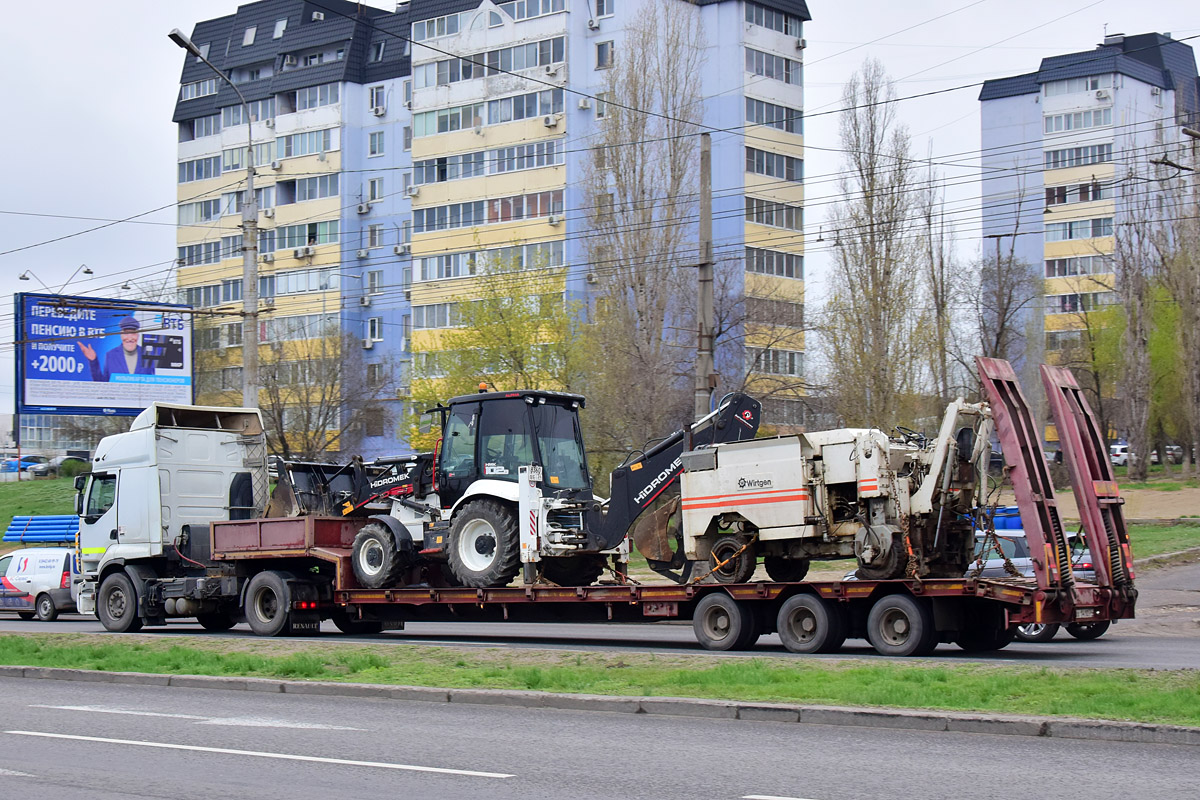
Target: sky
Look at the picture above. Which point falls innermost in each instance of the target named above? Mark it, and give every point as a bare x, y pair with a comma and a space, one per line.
92, 87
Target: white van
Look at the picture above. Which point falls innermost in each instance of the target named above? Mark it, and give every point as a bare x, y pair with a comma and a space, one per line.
37, 582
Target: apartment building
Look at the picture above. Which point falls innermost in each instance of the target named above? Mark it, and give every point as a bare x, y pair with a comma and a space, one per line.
397, 152
1068, 162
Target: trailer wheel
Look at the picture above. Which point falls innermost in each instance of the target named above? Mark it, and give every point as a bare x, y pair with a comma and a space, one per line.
900, 625
46, 610
722, 623
216, 621
573, 571
268, 603
117, 604
1088, 630
376, 562
786, 570
1037, 631
355, 627
808, 624
737, 568
484, 550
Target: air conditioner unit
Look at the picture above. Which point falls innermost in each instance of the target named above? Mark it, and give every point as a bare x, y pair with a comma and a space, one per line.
1102, 94
402, 249
267, 258
317, 16
591, 278
550, 120
379, 111
368, 344
408, 104
551, 69
593, 25
321, 156
310, 250
269, 122
289, 61
300, 252
584, 104
365, 301
269, 213
276, 164
363, 208
801, 44
479, 130
362, 253
1155, 91
554, 219
413, 191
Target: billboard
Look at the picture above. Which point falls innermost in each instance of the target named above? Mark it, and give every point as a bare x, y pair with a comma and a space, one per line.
90, 355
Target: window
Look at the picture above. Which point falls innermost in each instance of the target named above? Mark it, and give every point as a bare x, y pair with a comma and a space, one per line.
189, 255
525, 156
525, 206
1076, 85
1078, 193
524, 56
1077, 303
280, 27
527, 9
102, 493
248, 35
203, 126
525, 106
375, 329
601, 105
457, 265
774, 262
231, 335
438, 315
190, 91
317, 187
375, 375
408, 134
439, 26
203, 52
316, 96
769, 65
313, 59
305, 144
231, 378
1078, 265
378, 97
1061, 340
447, 120
375, 189
375, 143
375, 277
231, 291
455, 215
760, 112
202, 211
770, 18
774, 165
604, 55
775, 312
312, 233
376, 54
303, 281
1079, 229
1078, 156
776, 215
259, 110
1078, 120
774, 362
200, 169
604, 8
373, 422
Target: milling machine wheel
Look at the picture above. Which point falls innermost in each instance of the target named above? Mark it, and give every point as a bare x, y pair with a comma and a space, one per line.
786, 570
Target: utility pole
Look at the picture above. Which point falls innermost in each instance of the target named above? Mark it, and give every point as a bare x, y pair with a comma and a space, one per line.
706, 376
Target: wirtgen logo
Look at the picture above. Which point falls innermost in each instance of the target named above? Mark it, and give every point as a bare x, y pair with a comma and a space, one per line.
747, 484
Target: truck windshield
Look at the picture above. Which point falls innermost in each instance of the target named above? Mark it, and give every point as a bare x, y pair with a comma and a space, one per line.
561, 445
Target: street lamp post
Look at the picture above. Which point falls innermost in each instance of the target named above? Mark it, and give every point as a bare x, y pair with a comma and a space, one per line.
249, 240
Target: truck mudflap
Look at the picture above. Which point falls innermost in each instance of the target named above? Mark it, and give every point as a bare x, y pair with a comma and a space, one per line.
1094, 485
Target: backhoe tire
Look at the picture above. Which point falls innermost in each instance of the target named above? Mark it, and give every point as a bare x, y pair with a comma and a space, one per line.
808, 624
1087, 631
216, 621
900, 625
117, 604
736, 569
722, 623
573, 570
786, 570
1036, 631
376, 561
892, 566
484, 550
269, 603
356, 627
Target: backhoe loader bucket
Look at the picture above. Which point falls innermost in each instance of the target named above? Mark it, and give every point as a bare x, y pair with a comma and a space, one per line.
655, 534
283, 502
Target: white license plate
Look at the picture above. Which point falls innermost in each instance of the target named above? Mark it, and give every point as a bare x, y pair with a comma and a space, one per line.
1085, 613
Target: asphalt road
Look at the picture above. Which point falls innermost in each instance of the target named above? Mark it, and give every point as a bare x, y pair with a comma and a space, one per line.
98, 741
1122, 646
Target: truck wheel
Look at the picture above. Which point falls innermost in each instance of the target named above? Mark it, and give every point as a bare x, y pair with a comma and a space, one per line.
808, 624
117, 604
899, 625
1037, 631
377, 564
722, 623
573, 570
355, 627
736, 569
216, 621
484, 549
892, 566
269, 603
46, 610
1088, 630
786, 570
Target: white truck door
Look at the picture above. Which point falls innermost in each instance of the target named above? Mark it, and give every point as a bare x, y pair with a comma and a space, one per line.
98, 523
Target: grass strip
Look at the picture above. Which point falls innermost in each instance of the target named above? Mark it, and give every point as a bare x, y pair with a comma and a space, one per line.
1153, 540
1117, 694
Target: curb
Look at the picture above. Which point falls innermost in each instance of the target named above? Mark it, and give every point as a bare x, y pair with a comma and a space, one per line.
1167, 559
896, 718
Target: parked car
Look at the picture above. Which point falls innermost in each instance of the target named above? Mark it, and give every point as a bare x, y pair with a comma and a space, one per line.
53, 466
1015, 548
1084, 570
26, 462
1118, 454
38, 582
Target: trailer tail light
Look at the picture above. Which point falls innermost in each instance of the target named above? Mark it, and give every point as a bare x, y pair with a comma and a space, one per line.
66, 577
1128, 558
305, 605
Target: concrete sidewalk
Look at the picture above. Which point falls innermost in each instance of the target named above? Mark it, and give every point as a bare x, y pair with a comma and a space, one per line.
1001, 724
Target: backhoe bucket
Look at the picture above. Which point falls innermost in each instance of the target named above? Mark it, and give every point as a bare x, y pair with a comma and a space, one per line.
654, 535
283, 502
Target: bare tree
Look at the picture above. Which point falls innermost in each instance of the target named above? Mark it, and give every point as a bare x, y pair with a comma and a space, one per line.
942, 283
1134, 257
875, 312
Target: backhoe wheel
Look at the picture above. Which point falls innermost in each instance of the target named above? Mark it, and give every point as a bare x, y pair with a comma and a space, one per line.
892, 565
117, 604
46, 610
722, 623
216, 621
737, 568
484, 550
900, 625
1088, 630
269, 603
786, 570
356, 627
573, 570
376, 562
1037, 631
808, 624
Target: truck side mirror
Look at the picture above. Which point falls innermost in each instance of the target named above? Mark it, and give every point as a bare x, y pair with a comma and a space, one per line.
426, 423
79, 504
80, 482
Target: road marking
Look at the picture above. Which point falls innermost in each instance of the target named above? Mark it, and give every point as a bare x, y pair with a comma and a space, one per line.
260, 754
12, 773
237, 722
